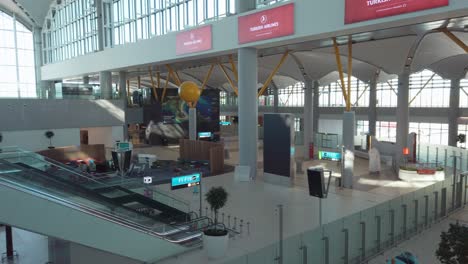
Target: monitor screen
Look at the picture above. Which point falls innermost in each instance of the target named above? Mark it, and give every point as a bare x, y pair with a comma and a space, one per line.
327, 155
204, 134
185, 181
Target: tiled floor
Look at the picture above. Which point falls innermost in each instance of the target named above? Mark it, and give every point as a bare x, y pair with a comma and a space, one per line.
31, 248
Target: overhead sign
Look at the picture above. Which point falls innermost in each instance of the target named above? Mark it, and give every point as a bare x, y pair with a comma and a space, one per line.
327, 155
181, 182
195, 40
268, 24
362, 10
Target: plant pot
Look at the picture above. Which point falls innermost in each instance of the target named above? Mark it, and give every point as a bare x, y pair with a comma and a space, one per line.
215, 246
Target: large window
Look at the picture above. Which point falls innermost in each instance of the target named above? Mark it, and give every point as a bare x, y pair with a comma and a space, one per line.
17, 75
464, 93
387, 93
70, 30
431, 133
428, 89
332, 96
362, 127
386, 131
292, 95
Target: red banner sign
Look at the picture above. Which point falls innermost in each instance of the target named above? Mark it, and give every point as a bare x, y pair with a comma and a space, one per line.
361, 10
268, 24
426, 171
195, 40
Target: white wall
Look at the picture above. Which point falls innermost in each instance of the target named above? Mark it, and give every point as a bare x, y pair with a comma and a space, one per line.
104, 135
35, 140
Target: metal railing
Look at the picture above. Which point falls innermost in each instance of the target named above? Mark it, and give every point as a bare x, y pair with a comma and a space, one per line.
361, 236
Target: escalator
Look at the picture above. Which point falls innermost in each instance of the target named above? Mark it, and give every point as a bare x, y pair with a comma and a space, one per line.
43, 203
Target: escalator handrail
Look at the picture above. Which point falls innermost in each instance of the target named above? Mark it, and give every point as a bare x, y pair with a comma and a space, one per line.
82, 208
62, 166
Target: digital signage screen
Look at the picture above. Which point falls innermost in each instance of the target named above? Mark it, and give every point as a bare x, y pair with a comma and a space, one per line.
327, 155
185, 181
362, 10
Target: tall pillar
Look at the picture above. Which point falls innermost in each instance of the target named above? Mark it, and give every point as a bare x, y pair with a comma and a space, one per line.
248, 109
308, 120
275, 99
41, 86
124, 98
100, 24
372, 114
105, 80
454, 112
192, 123
402, 115
316, 109
347, 174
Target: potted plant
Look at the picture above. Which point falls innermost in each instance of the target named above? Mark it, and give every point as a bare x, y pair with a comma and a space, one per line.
49, 134
215, 239
453, 246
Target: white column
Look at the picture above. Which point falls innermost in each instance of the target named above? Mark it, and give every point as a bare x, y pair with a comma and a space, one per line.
100, 24
192, 123
454, 112
402, 115
372, 114
105, 80
275, 99
308, 119
347, 175
316, 109
123, 97
248, 109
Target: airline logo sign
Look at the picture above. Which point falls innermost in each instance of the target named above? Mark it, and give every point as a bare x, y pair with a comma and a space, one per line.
185, 181
195, 40
362, 10
268, 24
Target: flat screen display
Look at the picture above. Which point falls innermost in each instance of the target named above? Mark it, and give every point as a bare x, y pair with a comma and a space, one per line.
327, 155
204, 134
186, 181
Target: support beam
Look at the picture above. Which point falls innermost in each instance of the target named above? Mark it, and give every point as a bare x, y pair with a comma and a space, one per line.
316, 109
422, 88
350, 72
165, 89
234, 68
340, 69
372, 114
273, 73
454, 112
228, 78
455, 39
155, 94
308, 119
248, 109
123, 96
100, 24
275, 98
205, 81
173, 75
105, 81
402, 115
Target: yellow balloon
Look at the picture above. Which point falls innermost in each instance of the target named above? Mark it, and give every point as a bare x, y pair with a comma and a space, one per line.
189, 92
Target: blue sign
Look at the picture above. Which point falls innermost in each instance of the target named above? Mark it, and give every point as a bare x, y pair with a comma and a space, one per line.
327, 155
204, 134
181, 182
225, 123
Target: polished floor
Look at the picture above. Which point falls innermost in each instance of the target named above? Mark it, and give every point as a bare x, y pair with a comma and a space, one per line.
256, 203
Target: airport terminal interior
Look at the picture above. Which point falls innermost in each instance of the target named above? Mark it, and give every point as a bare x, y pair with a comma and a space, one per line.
233, 131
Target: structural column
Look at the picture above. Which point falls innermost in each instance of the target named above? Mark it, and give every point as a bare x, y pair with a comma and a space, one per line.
275, 98
41, 86
454, 112
86, 79
372, 114
347, 174
316, 109
248, 109
308, 120
402, 115
105, 80
124, 98
247, 99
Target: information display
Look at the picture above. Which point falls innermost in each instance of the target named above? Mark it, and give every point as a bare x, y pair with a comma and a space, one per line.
327, 155
185, 181
268, 24
204, 134
362, 10
195, 40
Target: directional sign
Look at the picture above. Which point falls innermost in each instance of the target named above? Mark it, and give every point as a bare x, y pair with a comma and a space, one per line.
181, 182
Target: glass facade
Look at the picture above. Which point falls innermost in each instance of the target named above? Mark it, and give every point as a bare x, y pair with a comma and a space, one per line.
428, 89
332, 96
17, 72
464, 93
430, 133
